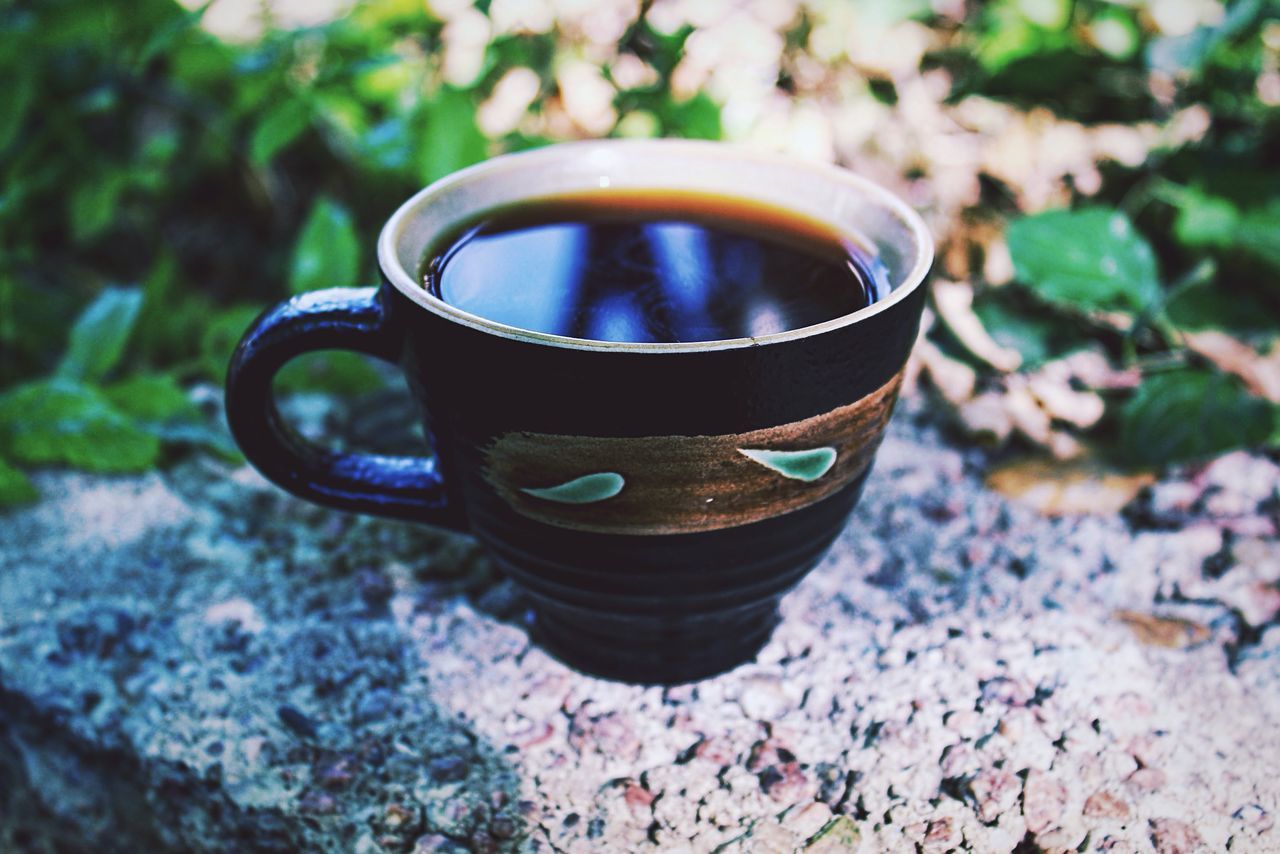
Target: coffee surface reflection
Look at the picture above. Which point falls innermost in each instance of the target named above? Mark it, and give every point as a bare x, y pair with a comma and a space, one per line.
644, 266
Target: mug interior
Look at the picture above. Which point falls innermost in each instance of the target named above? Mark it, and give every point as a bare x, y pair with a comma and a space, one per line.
860, 210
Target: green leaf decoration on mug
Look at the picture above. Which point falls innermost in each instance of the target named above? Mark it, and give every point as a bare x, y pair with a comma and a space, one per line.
582, 490
807, 466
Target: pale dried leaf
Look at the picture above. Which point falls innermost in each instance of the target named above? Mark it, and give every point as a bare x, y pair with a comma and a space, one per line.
1094, 370
911, 374
587, 96
1171, 632
1028, 416
984, 116
1065, 446
1067, 489
502, 111
1117, 320
986, 418
894, 52
1082, 409
1261, 374
523, 17
954, 303
1268, 88
809, 133
465, 38
631, 72
997, 263
926, 323
1125, 144
915, 367
954, 258
1187, 125
953, 379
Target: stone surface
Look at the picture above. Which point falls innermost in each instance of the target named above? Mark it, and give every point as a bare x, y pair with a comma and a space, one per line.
193, 660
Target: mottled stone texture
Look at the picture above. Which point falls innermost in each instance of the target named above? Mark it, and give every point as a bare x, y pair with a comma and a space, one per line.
193, 660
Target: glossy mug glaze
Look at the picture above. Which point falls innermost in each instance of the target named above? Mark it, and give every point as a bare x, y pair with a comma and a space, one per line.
654, 500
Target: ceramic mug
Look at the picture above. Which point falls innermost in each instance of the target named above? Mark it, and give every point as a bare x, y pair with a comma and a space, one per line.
654, 500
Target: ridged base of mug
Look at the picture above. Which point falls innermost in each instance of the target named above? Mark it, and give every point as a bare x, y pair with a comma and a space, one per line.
662, 609
658, 654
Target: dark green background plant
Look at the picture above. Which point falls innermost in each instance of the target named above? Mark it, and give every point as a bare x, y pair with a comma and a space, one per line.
159, 186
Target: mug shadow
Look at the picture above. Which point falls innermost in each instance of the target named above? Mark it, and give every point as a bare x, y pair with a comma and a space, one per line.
225, 670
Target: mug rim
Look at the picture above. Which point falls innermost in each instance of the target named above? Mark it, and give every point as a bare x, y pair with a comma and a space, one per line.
406, 283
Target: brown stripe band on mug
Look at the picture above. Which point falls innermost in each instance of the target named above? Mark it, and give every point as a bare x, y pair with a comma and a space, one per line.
685, 484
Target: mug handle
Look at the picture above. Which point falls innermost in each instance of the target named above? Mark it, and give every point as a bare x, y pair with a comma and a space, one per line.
334, 319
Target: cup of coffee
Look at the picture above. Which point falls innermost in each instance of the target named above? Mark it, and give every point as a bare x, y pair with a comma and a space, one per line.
653, 373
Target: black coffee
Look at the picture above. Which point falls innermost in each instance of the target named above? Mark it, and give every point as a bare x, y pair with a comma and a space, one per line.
652, 266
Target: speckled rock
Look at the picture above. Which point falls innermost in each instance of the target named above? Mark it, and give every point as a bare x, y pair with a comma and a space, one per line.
192, 660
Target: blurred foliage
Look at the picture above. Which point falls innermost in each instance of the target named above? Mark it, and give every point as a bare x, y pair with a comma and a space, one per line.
1186, 241
160, 184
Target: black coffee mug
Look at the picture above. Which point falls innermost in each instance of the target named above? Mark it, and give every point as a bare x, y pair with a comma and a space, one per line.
654, 500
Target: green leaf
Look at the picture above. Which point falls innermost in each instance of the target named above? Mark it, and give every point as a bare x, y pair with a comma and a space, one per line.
343, 113
1189, 414
335, 372
1209, 306
61, 421
86, 26
1008, 35
1217, 222
587, 489
20, 92
1089, 259
15, 488
377, 14
94, 205
203, 63
221, 335
1037, 335
167, 412
387, 79
1259, 233
327, 254
165, 37
155, 158
282, 124
517, 141
172, 316
696, 118
448, 136
150, 397
808, 465
100, 333
9, 328
198, 434
1205, 220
